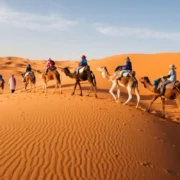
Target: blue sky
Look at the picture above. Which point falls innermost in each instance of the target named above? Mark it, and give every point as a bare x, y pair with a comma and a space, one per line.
64, 30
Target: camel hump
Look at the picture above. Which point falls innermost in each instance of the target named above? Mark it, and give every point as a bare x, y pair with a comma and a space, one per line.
174, 85
170, 85
177, 84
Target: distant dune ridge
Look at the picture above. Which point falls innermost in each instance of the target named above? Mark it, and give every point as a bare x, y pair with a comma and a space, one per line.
53, 136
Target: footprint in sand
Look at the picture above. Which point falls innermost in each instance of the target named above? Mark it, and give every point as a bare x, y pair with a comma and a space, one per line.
146, 164
169, 171
155, 137
140, 130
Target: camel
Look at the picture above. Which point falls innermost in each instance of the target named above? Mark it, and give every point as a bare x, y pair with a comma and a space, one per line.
51, 75
2, 84
170, 94
29, 79
84, 76
128, 82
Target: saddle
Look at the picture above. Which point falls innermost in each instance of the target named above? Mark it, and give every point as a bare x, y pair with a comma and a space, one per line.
173, 85
129, 74
84, 69
53, 68
31, 73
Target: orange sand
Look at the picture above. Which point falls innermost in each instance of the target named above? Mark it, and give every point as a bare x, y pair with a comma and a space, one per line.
56, 136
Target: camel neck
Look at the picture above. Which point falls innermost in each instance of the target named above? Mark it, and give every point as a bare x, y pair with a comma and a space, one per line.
149, 86
106, 75
71, 75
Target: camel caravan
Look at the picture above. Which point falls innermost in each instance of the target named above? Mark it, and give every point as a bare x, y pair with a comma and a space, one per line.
166, 87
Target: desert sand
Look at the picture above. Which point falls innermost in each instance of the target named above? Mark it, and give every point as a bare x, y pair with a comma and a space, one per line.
53, 136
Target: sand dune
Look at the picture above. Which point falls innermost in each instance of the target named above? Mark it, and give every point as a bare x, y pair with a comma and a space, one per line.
57, 136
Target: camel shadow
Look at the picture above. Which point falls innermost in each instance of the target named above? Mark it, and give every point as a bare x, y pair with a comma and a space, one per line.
150, 97
63, 85
105, 91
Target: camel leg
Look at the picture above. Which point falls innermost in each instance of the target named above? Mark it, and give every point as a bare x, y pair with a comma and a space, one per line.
93, 86
34, 88
118, 92
90, 90
95, 90
163, 107
80, 88
129, 95
74, 88
45, 88
152, 101
112, 88
26, 84
60, 90
31, 88
138, 96
56, 85
178, 100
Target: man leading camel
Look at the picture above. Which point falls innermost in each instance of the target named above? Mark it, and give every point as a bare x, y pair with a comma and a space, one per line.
171, 78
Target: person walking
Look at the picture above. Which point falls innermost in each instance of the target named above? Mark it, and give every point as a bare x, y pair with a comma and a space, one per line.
12, 83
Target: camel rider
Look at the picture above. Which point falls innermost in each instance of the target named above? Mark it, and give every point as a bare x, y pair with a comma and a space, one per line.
171, 78
82, 64
49, 65
1, 77
28, 70
125, 68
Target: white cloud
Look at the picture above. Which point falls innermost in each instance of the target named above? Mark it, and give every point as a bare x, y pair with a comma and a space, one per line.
136, 32
34, 21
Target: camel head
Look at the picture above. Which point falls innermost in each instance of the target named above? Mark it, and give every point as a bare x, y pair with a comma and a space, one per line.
102, 69
144, 80
65, 70
38, 72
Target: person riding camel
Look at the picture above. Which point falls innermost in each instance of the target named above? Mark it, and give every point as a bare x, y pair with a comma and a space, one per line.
49, 65
82, 64
125, 68
28, 70
171, 78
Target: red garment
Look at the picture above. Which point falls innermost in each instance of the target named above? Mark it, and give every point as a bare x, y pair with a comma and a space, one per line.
48, 64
